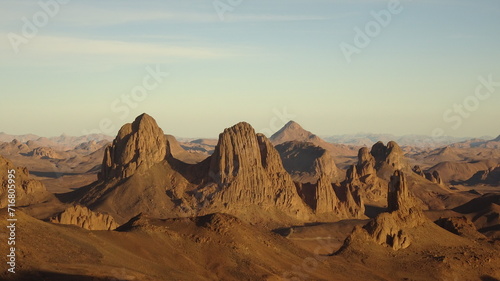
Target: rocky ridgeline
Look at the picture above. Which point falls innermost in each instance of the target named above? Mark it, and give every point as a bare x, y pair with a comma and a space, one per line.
244, 176
137, 147
85, 218
375, 168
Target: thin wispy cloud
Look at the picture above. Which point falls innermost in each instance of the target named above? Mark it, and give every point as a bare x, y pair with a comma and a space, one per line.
64, 49
76, 16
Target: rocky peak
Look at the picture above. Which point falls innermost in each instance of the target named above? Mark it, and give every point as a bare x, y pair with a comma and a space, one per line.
137, 147
292, 125
352, 174
391, 155
292, 131
366, 162
247, 170
398, 195
237, 149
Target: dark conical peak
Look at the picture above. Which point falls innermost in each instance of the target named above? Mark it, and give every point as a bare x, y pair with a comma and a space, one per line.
497, 139
379, 151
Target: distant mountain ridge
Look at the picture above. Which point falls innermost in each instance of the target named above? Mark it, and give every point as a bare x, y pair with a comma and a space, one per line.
361, 139
405, 140
63, 141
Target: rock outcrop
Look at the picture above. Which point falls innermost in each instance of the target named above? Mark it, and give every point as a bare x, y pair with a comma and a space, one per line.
244, 177
392, 228
45, 153
246, 170
326, 198
374, 168
490, 176
28, 191
460, 226
85, 218
433, 176
306, 162
316, 176
399, 198
417, 170
391, 155
13, 148
137, 147
366, 162
363, 177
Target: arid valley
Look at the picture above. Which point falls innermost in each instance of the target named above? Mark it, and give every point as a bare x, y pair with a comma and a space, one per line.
238, 140
145, 206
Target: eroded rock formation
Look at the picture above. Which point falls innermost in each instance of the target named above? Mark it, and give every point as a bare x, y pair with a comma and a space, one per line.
433, 176
247, 170
392, 228
306, 161
460, 226
244, 177
85, 218
137, 147
28, 191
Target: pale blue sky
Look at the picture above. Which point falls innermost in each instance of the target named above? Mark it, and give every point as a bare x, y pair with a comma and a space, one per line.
264, 56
